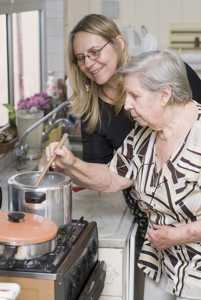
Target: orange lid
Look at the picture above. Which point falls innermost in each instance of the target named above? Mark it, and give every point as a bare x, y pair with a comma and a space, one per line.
31, 229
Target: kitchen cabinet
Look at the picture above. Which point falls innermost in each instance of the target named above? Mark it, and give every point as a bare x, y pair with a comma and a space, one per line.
116, 239
156, 15
114, 276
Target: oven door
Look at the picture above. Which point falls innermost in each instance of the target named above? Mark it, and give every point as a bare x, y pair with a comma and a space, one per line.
95, 283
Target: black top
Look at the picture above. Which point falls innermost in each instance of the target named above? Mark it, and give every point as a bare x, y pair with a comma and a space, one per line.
195, 83
99, 146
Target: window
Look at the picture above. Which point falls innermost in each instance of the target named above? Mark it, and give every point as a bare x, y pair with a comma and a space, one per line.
26, 54
20, 55
3, 70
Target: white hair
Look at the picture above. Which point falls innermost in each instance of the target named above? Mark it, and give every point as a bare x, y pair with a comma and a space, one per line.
158, 69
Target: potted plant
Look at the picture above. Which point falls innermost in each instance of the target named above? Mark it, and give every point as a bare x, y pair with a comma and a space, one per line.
37, 102
29, 111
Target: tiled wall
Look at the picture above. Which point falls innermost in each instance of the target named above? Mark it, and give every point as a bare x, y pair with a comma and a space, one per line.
156, 15
55, 37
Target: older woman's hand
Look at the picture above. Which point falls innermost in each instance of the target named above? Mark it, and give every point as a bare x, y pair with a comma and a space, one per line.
163, 236
64, 157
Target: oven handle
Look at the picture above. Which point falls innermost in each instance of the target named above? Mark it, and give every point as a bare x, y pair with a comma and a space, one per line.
95, 284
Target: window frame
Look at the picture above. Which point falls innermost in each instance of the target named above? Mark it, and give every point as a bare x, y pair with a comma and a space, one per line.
18, 6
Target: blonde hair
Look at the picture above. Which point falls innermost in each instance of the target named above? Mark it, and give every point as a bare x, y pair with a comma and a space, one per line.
85, 91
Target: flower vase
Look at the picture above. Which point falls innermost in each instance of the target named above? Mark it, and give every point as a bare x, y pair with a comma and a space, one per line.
25, 119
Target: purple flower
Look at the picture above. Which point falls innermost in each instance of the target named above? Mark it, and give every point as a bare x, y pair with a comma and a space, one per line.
39, 101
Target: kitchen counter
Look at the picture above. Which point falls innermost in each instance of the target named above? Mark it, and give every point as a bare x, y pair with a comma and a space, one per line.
110, 212
115, 228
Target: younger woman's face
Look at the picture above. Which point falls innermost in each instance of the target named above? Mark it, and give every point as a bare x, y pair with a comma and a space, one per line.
100, 65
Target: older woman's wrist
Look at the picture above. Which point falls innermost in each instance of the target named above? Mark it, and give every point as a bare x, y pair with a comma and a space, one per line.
188, 233
193, 231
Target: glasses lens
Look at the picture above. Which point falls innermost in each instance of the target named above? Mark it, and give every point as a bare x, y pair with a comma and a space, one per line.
80, 59
93, 53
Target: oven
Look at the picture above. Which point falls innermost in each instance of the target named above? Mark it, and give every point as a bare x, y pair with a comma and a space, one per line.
71, 272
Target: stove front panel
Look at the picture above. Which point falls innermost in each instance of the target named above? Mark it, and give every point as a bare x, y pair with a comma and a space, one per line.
80, 265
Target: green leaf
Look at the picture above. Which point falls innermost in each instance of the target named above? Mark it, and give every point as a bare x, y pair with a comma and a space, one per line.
11, 113
10, 107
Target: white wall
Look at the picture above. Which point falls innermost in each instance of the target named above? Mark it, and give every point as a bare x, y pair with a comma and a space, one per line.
156, 15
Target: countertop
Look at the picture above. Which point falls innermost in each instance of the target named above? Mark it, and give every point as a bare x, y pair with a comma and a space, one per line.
111, 213
109, 210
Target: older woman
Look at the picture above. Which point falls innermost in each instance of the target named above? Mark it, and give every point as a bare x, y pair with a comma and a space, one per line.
161, 159
96, 49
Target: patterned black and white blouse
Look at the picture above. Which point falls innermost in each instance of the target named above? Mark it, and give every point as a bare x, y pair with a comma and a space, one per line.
171, 196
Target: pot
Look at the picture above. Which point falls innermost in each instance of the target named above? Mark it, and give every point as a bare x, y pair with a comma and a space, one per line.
52, 199
25, 235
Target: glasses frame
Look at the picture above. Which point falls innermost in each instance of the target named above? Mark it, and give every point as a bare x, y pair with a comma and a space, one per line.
82, 57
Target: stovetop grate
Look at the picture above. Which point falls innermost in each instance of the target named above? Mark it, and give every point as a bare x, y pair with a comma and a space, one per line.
48, 263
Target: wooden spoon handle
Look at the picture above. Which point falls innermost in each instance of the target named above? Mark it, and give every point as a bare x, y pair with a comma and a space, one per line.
46, 168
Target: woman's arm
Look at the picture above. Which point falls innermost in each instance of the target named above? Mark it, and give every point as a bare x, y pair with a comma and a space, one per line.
90, 175
164, 236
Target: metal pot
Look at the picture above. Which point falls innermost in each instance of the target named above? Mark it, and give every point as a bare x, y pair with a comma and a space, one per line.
26, 236
52, 199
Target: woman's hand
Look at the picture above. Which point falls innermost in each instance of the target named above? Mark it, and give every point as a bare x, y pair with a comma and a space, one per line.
163, 236
64, 157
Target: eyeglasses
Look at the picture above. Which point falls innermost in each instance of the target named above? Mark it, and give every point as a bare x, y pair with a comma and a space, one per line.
93, 54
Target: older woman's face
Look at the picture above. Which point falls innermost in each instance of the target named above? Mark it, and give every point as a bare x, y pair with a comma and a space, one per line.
144, 105
99, 69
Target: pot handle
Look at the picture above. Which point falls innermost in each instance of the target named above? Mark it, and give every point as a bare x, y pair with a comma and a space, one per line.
35, 197
16, 216
9, 251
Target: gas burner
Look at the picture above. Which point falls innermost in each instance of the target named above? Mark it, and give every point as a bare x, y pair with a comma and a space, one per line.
66, 237
72, 271
33, 263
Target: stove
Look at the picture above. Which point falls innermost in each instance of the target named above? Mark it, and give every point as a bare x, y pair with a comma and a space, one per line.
71, 272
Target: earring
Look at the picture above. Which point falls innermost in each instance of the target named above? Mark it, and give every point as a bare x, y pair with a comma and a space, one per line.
87, 88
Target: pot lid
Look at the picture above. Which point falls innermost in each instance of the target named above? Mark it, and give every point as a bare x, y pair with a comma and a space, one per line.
18, 228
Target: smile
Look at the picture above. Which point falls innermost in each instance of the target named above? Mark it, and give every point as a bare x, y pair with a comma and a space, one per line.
95, 72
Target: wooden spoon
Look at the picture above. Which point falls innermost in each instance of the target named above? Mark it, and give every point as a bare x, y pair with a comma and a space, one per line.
46, 168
